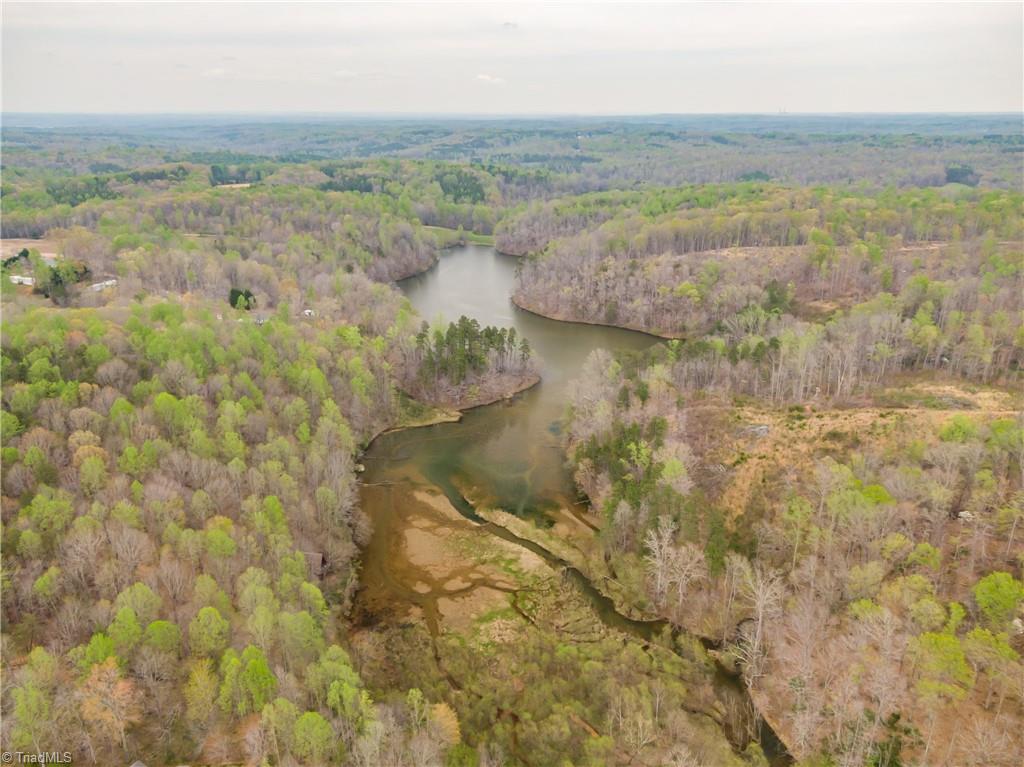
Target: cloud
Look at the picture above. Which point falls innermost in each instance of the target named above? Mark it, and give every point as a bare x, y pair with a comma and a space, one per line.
734, 57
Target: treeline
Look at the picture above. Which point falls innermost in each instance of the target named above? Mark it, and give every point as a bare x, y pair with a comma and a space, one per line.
865, 577
76, 192
586, 154
530, 228
437, 194
31, 194
238, 174
693, 219
472, 196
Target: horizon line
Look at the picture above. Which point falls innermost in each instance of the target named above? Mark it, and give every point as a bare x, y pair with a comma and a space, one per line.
311, 113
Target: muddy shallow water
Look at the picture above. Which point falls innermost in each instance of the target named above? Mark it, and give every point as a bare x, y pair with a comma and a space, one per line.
508, 454
431, 557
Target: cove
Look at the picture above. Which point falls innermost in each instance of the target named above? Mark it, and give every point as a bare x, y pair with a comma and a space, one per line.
508, 455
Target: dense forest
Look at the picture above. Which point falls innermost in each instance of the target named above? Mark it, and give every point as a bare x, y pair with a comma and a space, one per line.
572, 154
806, 496
886, 535
181, 526
684, 262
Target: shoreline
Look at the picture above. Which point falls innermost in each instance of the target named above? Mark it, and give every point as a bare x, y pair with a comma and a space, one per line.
415, 272
439, 254
445, 414
518, 302
522, 383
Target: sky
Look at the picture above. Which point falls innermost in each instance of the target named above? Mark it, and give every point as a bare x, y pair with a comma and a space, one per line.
512, 58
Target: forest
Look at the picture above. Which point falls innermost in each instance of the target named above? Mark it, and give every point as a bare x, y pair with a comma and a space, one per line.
803, 499
886, 534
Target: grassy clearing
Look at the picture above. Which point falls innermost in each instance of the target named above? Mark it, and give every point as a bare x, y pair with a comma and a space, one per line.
449, 237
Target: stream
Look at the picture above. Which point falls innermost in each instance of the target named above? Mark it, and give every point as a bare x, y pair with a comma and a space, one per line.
509, 453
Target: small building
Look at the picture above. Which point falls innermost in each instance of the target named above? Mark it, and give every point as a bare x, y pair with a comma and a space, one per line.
98, 286
316, 562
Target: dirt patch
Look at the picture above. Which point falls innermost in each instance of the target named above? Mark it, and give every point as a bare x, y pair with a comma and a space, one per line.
13, 246
773, 446
426, 549
985, 399
442, 506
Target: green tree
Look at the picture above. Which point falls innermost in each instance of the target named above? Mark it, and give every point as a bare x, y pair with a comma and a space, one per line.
998, 596
163, 636
50, 512
92, 475
991, 654
717, 543
125, 631
142, 600
299, 636
312, 738
258, 684
10, 426
230, 668
279, 720
33, 717
925, 555
100, 648
219, 544
209, 594
200, 691
30, 544
943, 674
941, 666
313, 600
208, 632
959, 428
46, 587
261, 626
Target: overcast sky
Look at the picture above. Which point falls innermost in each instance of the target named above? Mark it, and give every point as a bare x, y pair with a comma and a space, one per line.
512, 58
